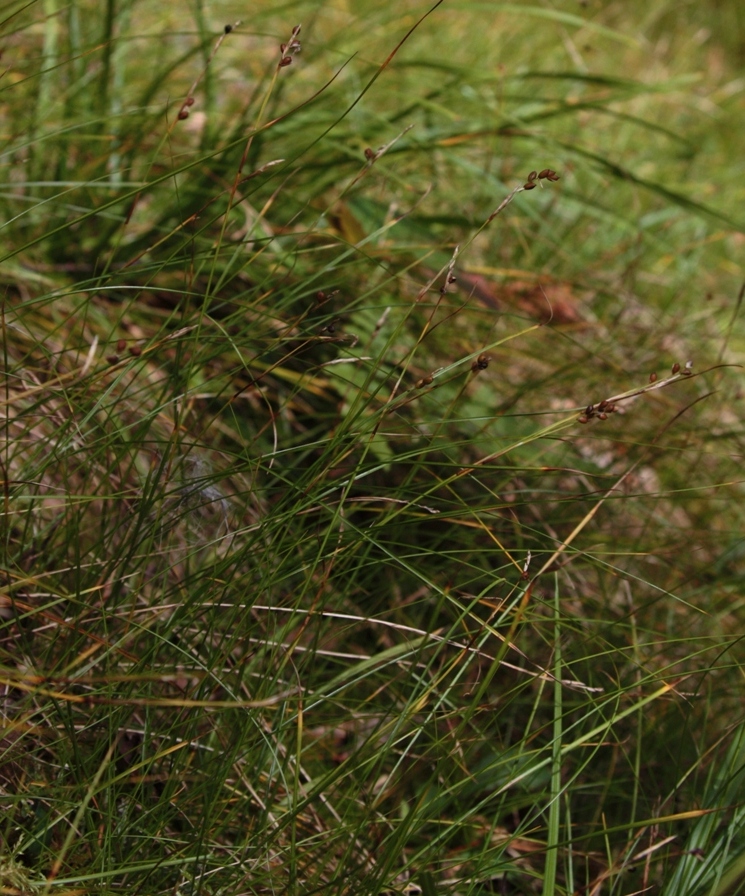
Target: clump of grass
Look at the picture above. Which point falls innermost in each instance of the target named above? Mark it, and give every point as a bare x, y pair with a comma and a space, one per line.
14, 878
350, 546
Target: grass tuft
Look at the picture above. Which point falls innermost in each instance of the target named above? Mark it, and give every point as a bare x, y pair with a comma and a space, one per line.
371, 450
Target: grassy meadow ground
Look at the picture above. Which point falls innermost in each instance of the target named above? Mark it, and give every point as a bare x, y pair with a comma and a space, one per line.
372, 510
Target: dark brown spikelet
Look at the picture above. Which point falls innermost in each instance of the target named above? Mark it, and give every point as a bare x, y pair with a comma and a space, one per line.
529, 186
